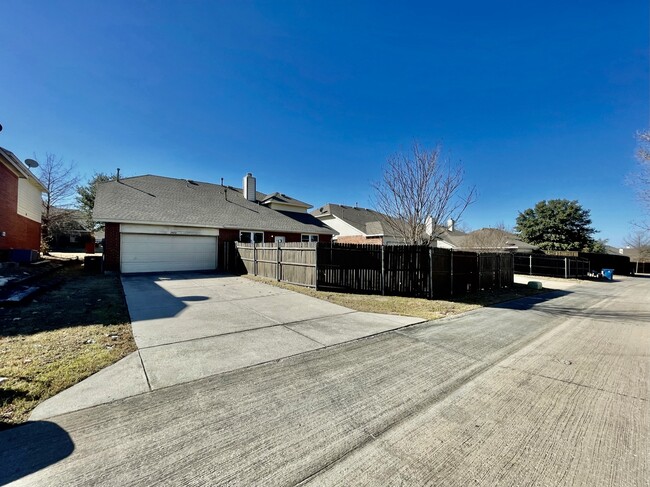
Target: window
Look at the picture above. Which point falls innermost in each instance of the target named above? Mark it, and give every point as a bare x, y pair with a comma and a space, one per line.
309, 237
250, 237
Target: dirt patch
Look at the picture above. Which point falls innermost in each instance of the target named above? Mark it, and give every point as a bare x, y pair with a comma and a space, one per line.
78, 325
428, 309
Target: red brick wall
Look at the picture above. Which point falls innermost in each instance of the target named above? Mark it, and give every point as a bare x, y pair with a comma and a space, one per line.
112, 247
360, 239
21, 232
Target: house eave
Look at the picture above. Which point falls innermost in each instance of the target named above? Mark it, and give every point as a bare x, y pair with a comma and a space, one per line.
320, 231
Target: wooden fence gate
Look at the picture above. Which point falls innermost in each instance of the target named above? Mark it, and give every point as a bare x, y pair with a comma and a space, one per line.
294, 263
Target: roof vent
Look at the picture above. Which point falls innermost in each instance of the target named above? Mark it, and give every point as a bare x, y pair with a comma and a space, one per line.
249, 185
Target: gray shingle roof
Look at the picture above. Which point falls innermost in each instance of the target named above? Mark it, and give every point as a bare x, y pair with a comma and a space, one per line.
168, 201
283, 198
486, 238
370, 222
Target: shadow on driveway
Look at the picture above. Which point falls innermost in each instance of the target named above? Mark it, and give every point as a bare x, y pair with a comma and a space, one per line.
148, 300
31, 447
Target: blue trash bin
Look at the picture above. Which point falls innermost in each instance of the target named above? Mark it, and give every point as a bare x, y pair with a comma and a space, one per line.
608, 274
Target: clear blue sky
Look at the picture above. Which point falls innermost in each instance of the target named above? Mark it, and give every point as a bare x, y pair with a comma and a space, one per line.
537, 100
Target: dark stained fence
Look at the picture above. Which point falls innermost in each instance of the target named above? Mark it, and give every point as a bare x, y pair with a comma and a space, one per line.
406, 271
349, 267
571, 263
551, 265
231, 261
409, 270
464, 273
597, 262
641, 267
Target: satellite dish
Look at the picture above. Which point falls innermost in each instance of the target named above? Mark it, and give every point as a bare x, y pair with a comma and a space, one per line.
31, 163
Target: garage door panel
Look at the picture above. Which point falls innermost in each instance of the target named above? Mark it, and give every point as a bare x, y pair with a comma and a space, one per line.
153, 253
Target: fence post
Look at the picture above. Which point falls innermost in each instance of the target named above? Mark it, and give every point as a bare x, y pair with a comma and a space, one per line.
316, 265
278, 260
430, 272
383, 271
254, 259
451, 272
530, 266
499, 268
566, 269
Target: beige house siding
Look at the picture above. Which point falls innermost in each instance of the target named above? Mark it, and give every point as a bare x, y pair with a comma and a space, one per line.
29, 200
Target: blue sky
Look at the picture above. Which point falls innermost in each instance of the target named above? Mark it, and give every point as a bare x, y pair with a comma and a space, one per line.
537, 100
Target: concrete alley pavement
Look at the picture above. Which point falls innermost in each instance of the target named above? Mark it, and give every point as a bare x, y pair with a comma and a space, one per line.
549, 390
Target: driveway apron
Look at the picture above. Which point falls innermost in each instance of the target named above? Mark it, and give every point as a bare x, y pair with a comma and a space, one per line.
188, 326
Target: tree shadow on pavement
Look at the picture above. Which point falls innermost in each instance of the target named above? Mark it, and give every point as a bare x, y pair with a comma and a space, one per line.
31, 447
529, 302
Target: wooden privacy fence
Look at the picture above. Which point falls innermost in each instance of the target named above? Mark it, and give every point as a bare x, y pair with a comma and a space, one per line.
410, 270
294, 263
405, 270
641, 267
551, 265
620, 263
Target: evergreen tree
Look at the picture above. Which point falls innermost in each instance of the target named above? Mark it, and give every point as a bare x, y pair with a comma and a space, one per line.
86, 197
557, 225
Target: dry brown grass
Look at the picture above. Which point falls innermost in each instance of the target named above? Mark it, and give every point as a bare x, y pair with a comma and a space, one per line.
422, 308
68, 333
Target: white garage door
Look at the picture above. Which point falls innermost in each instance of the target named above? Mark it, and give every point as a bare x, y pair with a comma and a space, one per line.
155, 253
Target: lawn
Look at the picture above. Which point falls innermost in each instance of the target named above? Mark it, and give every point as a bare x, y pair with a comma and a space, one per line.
78, 326
428, 309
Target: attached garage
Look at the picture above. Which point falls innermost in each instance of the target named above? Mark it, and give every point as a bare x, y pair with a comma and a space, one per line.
162, 253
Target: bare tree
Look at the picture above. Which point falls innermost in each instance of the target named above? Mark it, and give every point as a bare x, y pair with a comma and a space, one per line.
641, 180
419, 189
639, 242
60, 180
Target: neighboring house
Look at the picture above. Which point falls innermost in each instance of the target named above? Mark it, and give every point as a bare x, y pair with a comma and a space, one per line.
20, 204
353, 224
635, 254
484, 240
68, 228
155, 223
364, 226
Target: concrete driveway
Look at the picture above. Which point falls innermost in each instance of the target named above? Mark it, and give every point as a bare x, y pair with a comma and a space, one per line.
188, 326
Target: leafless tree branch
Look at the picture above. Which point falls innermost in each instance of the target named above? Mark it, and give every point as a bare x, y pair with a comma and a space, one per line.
60, 180
641, 179
420, 187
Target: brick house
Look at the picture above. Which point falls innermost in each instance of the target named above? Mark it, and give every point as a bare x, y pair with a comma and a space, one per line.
155, 223
20, 204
